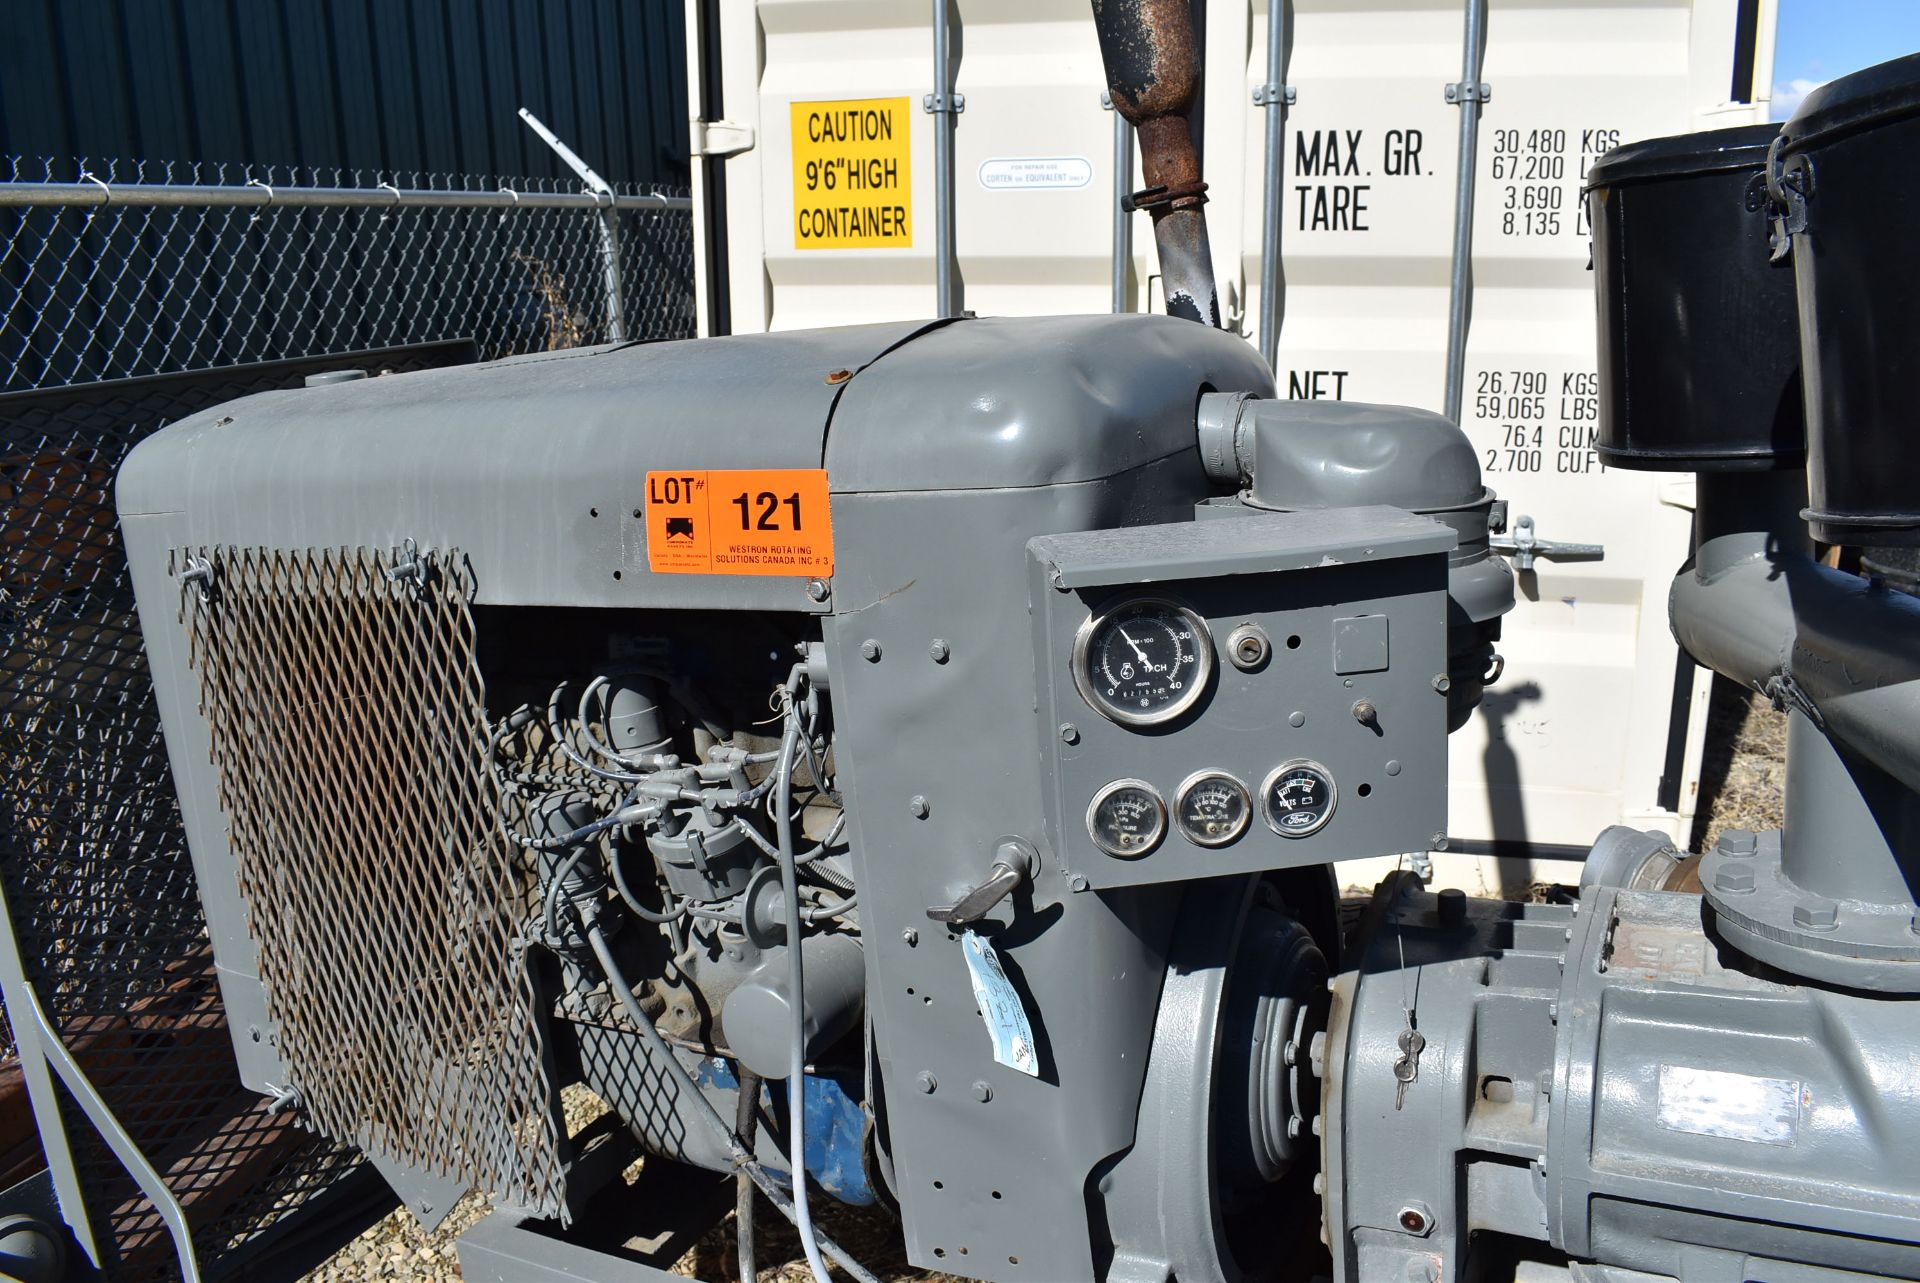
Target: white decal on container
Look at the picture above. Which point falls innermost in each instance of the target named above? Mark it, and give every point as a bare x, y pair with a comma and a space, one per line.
1035, 173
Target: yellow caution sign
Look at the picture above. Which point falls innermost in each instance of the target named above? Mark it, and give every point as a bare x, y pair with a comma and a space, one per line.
853, 174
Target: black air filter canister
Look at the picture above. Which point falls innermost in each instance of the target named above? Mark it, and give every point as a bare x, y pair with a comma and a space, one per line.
1847, 182
1699, 347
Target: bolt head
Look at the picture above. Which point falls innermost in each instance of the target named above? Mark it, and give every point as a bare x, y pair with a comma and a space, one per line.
926, 1082
983, 1092
911, 936
1442, 683
836, 377
1413, 1220
1734, 879
1740, 842
939, 651
870, 650
1364, 712
1079, 882
1069, 733
817, 589
1296, 719
918, 807
1816, 915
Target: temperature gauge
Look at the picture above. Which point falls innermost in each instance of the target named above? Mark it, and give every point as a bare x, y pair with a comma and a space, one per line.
1298, 798
1212, 808
1127, 819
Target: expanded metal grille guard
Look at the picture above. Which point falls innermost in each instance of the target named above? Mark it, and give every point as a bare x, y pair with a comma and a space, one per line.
349, 732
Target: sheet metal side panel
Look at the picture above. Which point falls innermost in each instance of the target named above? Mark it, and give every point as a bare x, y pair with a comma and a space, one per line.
1087, 966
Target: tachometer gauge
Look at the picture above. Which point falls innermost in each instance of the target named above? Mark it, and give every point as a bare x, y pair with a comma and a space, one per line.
1298, 798
1212, 808
1127, 819
1144, 662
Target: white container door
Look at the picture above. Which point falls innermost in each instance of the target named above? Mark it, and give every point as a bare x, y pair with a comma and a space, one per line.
830, 221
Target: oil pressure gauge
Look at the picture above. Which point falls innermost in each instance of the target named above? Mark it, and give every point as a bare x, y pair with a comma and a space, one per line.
1144, 662
1298, 798
1212, 808
1127, 819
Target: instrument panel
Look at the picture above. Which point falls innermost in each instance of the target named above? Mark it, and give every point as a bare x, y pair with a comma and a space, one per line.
1239, 695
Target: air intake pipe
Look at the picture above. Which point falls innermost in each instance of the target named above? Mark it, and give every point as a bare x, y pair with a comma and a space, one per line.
1153, 74
1754, 606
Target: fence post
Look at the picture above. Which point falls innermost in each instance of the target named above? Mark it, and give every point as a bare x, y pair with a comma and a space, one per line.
609, 223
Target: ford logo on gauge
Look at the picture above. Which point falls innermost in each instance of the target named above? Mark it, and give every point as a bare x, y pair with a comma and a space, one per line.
1298, 798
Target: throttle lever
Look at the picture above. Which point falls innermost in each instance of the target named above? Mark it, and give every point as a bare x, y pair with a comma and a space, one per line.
1015, 860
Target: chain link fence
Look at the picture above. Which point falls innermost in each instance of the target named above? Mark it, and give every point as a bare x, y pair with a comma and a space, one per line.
131, 295
116, 270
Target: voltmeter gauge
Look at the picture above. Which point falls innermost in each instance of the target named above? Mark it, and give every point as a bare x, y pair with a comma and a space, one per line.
1298, 798
1127, 819
1144, 662
1212, 809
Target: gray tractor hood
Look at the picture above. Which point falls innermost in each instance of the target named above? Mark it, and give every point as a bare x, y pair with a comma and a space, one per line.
535, 467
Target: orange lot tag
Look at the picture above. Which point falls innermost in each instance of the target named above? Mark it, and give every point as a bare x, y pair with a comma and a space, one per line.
739, 522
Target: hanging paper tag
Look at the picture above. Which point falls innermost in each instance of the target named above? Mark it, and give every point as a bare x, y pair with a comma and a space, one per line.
1000, 1006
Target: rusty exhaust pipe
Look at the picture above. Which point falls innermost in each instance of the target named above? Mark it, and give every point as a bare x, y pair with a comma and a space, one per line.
1153, 75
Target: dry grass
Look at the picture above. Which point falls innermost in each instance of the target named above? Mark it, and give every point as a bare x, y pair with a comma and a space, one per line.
1743, 774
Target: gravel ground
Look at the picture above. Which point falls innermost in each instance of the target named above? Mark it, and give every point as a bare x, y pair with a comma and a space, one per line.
1742, 776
